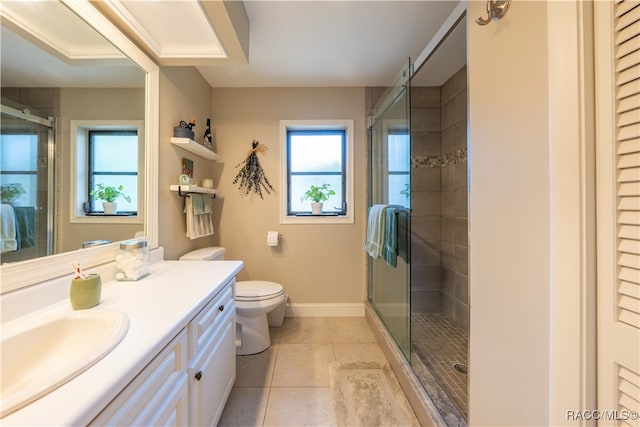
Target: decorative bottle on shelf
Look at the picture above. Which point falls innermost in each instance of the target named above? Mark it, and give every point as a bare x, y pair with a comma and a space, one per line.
206, 138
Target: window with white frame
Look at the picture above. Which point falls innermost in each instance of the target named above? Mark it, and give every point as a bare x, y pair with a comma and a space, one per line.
317, 153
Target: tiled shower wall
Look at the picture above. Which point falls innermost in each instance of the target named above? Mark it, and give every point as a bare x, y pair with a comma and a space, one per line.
455, 282
426, 202
439, 281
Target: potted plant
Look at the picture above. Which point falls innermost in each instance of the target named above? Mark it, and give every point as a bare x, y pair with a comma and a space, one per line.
109, 194
318, 195
9, 193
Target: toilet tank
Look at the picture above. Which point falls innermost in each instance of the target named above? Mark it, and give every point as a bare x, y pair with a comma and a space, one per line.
205, 254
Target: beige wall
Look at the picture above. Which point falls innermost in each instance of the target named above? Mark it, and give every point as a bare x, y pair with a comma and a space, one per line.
315, 263
89, 104
509, 217
184, 93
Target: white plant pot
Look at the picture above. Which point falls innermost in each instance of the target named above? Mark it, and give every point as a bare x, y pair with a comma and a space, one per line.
110, 208
316, 208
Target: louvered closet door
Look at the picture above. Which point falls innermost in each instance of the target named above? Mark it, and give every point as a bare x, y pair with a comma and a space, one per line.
617, 36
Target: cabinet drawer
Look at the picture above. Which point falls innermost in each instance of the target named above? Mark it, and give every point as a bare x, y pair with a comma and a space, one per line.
163, 378
209, 318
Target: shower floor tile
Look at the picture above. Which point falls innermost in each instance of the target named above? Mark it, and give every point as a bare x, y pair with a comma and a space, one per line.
441, 344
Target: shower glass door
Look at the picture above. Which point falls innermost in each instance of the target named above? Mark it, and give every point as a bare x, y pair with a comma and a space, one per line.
390, 184
26, 179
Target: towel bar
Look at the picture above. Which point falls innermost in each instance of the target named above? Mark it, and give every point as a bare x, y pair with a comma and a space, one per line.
181, 194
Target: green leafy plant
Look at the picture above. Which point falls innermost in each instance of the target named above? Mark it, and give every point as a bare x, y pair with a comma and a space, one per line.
318, 194
109, 194
11, 192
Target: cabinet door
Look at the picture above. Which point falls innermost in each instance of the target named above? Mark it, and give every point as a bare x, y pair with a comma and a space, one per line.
211, 376
208, 321
173, 410
154, 387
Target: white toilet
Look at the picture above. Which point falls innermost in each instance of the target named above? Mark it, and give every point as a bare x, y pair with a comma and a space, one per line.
258, 305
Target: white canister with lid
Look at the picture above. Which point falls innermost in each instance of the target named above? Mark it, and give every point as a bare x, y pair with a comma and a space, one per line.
132, 260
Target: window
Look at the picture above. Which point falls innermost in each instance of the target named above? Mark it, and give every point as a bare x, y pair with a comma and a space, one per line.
315, 157
399, 163
18, 163
317, 153
108, 152
113, 161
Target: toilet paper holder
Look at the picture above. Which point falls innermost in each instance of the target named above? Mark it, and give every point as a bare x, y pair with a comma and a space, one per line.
273, 238
280, 236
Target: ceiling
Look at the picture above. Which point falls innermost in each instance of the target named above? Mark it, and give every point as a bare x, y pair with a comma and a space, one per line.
295, 43
330, 43
45, 44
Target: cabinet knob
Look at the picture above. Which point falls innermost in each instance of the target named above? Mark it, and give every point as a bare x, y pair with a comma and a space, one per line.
221, 308
198, 375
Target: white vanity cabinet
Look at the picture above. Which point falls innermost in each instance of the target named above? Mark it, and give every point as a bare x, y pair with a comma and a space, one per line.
158, 395
189, 381
212, 358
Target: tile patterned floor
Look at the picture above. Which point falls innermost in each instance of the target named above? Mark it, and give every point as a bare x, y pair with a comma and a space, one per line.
440, 344
288, 384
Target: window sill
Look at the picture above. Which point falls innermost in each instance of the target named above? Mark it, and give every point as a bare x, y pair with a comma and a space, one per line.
307, 214
326, 218
117, 214
96, 218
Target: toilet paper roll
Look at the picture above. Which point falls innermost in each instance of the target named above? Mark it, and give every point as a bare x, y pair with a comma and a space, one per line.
272, 238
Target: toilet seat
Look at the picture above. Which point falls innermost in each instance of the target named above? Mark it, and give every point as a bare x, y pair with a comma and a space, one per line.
257, 290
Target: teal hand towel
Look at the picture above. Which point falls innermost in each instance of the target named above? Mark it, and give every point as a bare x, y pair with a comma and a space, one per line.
207, 204
197, 201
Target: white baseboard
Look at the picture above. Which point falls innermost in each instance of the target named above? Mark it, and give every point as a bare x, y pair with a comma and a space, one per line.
325, 310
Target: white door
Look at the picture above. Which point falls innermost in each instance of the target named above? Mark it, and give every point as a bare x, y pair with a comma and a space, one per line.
617, 46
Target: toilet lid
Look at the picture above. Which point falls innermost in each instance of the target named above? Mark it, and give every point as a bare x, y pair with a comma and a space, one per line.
254, 290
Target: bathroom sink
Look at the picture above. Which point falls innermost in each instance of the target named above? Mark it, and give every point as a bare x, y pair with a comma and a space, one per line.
41, 353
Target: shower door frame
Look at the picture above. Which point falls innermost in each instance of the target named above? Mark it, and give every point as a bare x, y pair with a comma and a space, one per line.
399, 88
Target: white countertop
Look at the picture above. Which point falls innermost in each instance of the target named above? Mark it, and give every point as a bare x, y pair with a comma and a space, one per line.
158, 307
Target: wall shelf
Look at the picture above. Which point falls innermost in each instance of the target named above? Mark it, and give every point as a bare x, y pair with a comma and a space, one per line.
184, 190
195, 148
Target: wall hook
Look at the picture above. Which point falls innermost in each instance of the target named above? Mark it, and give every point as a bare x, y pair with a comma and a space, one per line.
495, 10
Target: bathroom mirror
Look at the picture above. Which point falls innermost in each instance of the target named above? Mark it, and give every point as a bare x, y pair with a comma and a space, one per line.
88, 58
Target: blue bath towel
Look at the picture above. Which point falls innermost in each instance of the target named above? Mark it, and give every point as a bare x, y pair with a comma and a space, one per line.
390, 248
402, 225
25, 226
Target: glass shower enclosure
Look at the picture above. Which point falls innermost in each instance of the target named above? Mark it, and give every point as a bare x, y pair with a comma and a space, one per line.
27, 183
418, 152
390, 184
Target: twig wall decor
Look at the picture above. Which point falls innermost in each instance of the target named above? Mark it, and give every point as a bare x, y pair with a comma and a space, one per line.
251, 177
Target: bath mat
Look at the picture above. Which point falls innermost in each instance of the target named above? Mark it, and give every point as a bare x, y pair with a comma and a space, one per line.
368, 394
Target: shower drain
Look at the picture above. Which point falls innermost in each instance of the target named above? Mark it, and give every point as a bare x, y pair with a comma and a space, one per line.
461, 367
